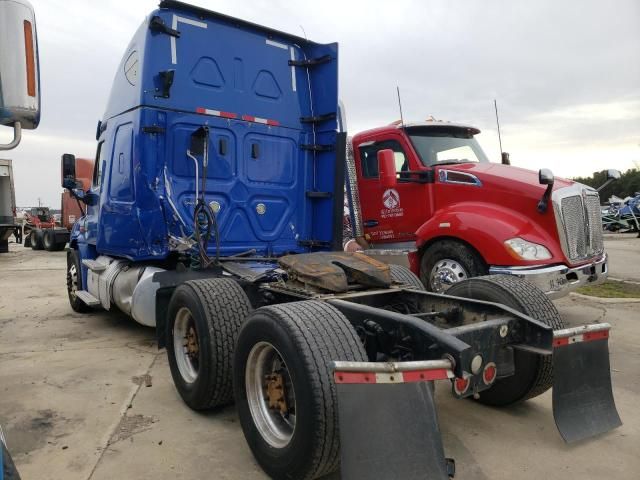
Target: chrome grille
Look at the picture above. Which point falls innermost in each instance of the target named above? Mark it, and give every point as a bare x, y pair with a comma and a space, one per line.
580, 222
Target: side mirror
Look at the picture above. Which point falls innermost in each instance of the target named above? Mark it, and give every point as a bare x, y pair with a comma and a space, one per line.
613, 174
545, 176
19, 69
505, 159
387, 168
68, 171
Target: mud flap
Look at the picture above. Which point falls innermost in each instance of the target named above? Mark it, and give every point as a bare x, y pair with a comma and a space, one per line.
389, 426
583, 404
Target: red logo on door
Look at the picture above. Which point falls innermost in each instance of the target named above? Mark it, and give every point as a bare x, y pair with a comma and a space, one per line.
391, 199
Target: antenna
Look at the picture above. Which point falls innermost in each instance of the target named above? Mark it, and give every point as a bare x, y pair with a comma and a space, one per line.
400, 105
495, 105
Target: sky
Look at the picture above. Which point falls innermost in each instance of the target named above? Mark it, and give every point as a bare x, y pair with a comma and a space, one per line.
566, 75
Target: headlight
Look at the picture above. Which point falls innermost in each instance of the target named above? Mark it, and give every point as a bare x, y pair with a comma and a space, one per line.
527, 250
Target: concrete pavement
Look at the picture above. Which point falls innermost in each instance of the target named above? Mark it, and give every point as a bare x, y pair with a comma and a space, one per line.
90, 397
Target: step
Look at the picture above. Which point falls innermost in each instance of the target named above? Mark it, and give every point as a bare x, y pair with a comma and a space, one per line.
94, 266
87, 298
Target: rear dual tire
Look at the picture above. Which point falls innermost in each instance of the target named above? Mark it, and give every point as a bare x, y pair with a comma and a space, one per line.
36, 239
49, 242
204, 317
533, 373
303, 338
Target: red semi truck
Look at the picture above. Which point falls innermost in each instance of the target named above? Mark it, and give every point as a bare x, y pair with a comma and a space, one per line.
40, 230
449, 213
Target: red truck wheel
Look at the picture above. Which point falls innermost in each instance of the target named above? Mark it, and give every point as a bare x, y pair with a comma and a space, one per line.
447, 262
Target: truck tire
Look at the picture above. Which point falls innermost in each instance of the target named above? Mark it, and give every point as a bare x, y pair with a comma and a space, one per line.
36, 239
204, 317
27, 240
402, 274
533, 373
49, 240
290, 347
74, 282
446, 262
4, 246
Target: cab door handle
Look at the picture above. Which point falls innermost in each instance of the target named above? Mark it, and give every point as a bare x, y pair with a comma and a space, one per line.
370, 223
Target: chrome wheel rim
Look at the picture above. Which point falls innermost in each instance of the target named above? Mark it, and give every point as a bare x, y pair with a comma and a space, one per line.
267, 379
445, 273
185, 345
72, 281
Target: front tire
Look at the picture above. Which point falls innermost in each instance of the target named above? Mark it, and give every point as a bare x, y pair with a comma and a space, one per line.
293, 435
447, 262
533, 373
204, 317
74, 282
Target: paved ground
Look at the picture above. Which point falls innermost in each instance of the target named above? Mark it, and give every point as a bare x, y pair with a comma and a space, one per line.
75, 405
624, 254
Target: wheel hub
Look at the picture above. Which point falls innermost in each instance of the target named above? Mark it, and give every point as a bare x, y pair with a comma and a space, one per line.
270, 395
275, 393
191, 343
72, 281
185, 345
445, 273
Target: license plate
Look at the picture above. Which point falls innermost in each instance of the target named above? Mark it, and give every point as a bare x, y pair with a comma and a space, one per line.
557, 283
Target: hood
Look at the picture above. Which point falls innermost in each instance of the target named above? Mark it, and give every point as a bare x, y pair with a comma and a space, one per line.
507, 178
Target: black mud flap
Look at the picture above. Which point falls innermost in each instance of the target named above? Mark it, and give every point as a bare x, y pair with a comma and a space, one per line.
390, 431
583, 404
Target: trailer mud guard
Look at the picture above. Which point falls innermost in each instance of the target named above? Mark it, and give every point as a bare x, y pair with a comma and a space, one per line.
583, 404
388, 421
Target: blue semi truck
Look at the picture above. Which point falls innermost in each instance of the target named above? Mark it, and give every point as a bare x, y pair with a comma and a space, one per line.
215, 216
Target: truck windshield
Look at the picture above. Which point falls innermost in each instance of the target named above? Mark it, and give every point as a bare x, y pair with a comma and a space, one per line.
449, 147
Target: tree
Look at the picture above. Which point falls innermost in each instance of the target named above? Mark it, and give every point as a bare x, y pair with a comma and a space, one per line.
627, 185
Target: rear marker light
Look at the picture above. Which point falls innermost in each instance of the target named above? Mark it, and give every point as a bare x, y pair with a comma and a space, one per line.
461, 385
30, 58
489, 373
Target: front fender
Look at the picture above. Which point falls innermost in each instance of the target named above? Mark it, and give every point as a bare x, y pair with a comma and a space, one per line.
486, 226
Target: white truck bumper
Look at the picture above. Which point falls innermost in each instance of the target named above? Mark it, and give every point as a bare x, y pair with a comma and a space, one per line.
559, 280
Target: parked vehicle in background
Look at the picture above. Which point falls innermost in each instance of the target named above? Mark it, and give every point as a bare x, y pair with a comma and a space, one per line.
450, 214
215, 215
70, 207
8, 222
40, 230
622, 215
19, 107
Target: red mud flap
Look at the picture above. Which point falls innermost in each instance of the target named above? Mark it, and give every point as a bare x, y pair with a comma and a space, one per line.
583, 404
388, 422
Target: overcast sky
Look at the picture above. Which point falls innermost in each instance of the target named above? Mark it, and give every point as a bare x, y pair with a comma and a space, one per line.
566, 74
